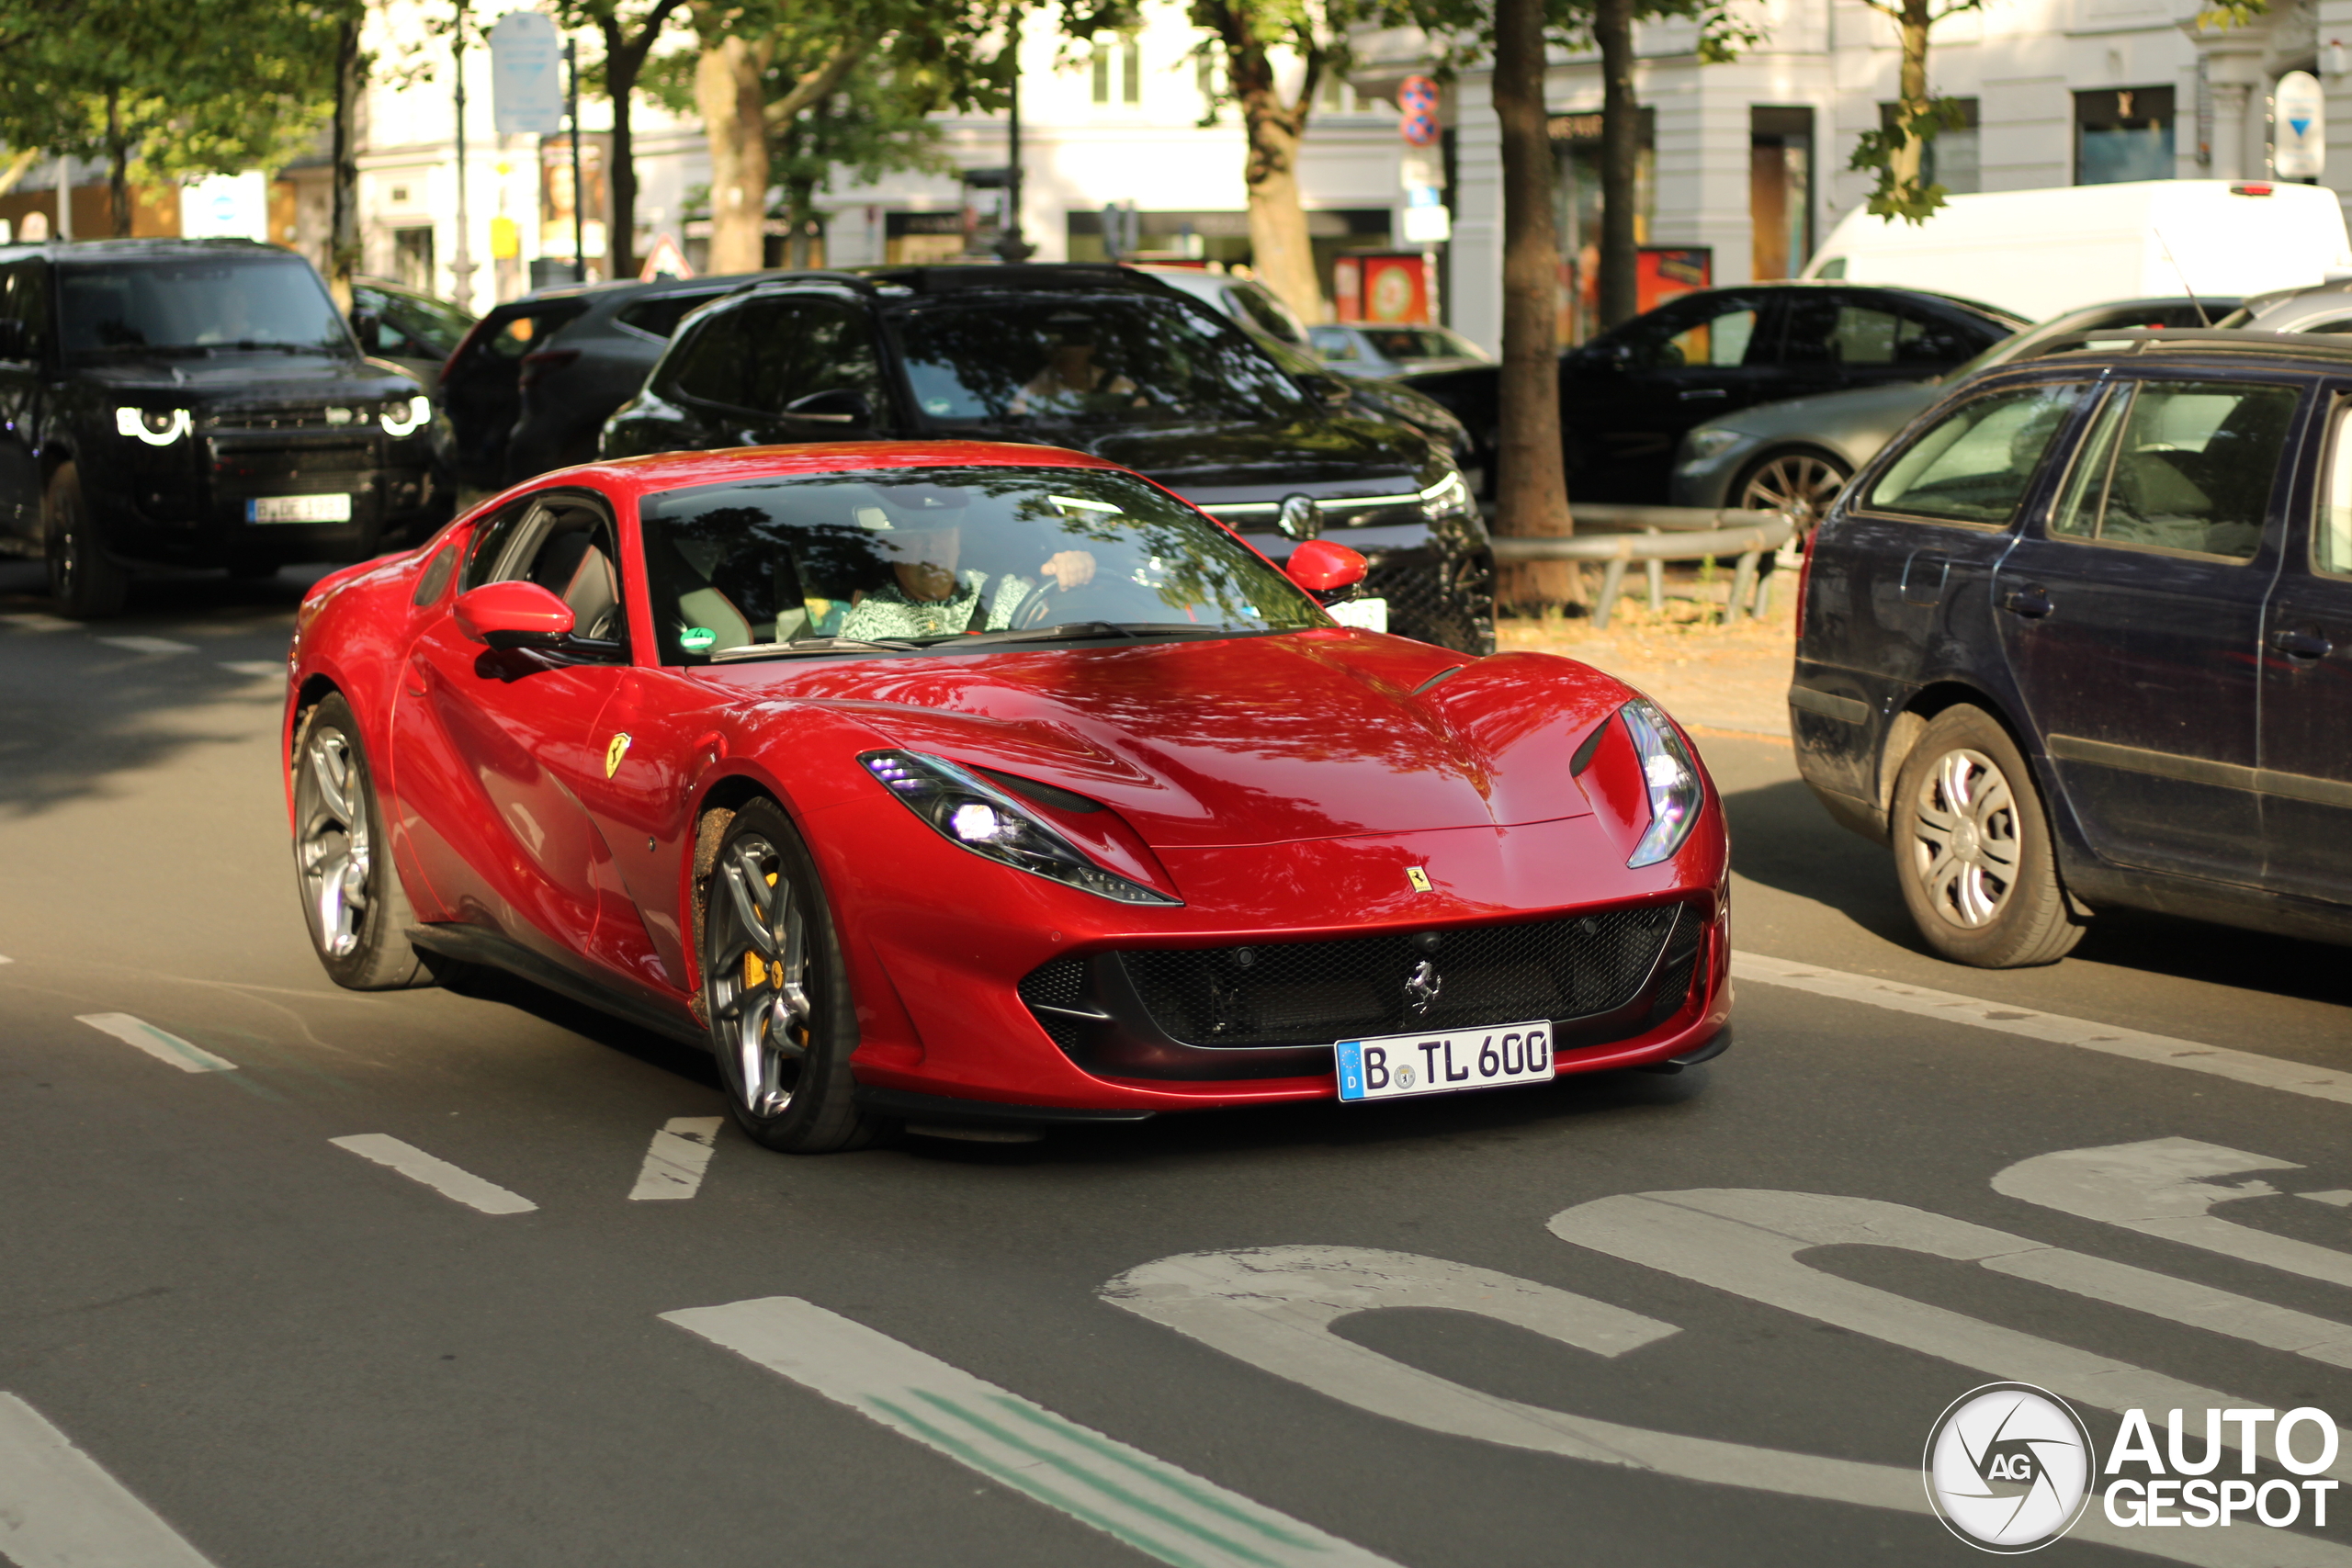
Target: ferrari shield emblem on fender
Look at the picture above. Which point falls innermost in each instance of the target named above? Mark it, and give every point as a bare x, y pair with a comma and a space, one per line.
615, 752
1413, 873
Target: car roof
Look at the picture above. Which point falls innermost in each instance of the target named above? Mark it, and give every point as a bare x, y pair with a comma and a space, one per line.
678, 471
1798, 285
129, 250
2201, 348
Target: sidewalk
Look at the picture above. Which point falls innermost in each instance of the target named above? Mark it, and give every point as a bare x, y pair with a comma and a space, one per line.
1733, 678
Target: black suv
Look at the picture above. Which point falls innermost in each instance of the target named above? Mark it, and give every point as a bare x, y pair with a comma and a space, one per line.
2082, 637
1100, 358
193, 404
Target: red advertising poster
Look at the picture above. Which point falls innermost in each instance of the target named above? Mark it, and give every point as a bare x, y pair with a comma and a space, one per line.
1660, 273
1383, 287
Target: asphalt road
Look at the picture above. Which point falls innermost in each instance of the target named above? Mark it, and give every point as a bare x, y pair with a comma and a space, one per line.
297, 1356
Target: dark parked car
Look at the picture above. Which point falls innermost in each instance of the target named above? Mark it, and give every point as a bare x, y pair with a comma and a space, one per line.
1103, 359
413, 329
193, 404
2080, 638
1627, 396
532, 385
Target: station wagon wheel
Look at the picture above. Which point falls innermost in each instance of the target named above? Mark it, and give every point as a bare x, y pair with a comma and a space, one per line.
775, 990
1802, 484
1972, 847
352, 899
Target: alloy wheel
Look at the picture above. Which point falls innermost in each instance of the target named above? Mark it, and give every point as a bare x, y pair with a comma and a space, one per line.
1965, 846
333, 842
759, 980
1797, 483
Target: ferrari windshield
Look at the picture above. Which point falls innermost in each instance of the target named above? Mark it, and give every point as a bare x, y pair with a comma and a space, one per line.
1079, 361
779, 567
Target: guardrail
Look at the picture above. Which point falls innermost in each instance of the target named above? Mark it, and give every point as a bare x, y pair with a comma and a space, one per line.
1618, 535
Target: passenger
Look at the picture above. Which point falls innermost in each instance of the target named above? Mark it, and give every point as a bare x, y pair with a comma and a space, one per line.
1072, 379
928, 597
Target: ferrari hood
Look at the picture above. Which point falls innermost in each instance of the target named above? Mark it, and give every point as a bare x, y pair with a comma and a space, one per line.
1250, 740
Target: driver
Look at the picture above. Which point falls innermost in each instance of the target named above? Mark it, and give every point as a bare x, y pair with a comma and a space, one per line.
1070, 375
928, 597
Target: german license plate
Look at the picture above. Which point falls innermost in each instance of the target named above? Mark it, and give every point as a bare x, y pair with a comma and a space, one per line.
299, 509
1394, 1066
1364, 614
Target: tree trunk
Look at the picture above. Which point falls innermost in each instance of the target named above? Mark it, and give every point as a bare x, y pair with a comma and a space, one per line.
1911, 94
1620, 155
343, 228
728, 89
1280, 251
118, 166
623, 59
1532, 489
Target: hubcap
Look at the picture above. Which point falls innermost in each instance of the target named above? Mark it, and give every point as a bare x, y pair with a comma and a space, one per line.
332, 845
1965, 845
759, 977
1799, 485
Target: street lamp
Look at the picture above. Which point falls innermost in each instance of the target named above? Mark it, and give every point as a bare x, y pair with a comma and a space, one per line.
461, 259
1010, 244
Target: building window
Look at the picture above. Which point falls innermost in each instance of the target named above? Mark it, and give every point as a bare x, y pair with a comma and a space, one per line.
1118, 69
2124, 133
1780, 190
1576, 146
413, 258
1953, 159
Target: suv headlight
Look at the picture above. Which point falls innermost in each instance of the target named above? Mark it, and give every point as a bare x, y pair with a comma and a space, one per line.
1672, 776
406, 419
972, 814
157, 427
1450, 497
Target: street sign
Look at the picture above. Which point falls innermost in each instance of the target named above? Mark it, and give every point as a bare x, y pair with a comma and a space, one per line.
526, 79
2298, 127
226, 206
1416, 110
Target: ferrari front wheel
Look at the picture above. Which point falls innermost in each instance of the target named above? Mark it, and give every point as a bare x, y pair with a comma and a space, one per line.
775, 989
352, 897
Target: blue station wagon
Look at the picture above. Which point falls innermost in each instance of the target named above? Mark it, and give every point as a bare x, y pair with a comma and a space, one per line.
2080, 638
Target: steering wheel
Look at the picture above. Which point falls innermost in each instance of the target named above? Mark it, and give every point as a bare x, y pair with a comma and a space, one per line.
1049, 604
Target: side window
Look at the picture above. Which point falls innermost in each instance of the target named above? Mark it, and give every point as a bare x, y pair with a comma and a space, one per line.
1837, 329
1333, 342
1974, 466
527, 332
1271, 316
2331, 528
2178, 466
1721, 329
815, 346
716, 365
1928, 339
24, 299
567, 546
659, 318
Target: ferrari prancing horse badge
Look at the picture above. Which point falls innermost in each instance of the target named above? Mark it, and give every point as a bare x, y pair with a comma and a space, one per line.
615, 752
1417, 877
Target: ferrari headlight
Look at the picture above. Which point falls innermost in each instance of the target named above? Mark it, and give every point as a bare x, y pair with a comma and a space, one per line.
405, 419
1672, 776
157, 427
969, 811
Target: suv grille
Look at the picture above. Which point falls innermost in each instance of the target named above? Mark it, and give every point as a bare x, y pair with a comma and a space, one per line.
286, 416
1306, 992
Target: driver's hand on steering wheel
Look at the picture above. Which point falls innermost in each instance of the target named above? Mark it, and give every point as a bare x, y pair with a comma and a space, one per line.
1070, 568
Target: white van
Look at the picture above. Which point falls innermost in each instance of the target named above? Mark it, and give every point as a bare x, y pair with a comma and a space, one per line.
2040, 252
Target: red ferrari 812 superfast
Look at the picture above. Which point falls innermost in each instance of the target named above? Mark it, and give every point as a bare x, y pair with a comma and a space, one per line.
963, 785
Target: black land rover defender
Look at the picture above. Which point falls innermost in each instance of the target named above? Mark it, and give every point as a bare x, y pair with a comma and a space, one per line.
193, 404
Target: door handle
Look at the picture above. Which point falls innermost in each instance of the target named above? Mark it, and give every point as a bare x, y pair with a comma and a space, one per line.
2033, 602
1693, 394
2301, 645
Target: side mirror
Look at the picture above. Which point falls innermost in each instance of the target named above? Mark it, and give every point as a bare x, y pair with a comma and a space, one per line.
513, 615
368, 328
1326, 569
841, 405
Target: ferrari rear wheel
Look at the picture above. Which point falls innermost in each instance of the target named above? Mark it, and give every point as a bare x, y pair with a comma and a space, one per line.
352, 897
776, 991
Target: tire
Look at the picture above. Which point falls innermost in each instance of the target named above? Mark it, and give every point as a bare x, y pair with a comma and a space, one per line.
358, 913
782, 1039
1972, 850
86, 584
1801, 483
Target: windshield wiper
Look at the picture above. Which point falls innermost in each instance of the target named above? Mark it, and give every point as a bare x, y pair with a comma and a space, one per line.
1068, 631
814, 644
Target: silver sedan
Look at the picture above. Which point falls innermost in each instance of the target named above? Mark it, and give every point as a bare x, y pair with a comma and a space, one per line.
1794, 457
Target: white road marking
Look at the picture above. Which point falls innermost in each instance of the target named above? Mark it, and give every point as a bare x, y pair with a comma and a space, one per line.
1748, 1243
462, 1186
1272, 1308
259, 668
2243, 1066
162, 1046
2160, 1188
2341, 1199
681, 1153
34, 621
1161, 1511
59, 1509
147, 644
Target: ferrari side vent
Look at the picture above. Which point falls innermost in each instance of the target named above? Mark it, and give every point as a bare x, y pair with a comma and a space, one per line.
1676, 970
1056, 993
